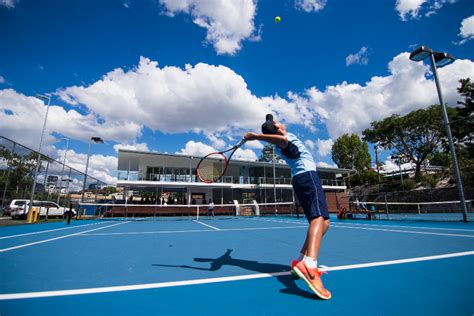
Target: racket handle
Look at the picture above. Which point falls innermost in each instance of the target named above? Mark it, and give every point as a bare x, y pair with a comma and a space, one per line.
240, 143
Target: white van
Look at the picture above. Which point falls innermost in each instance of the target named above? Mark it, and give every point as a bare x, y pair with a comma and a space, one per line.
51, 208
14, 205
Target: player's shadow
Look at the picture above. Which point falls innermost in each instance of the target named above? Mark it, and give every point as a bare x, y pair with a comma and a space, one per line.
226, 260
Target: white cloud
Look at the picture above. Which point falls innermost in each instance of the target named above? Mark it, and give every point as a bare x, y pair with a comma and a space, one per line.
323, 164
198, 149
24, 122
9, 4
411, 9
310, 5
228, 23
359, 58
138, 147
324, 146
100, 167
466, 31
216, 102
254, 145
310, 144
245, 154
2, 79
349, 108
408, 8
391, 166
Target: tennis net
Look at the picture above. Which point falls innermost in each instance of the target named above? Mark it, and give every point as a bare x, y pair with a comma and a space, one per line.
148, 212
415, 211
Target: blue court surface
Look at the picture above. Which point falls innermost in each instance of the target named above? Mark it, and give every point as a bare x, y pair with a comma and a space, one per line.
234, 267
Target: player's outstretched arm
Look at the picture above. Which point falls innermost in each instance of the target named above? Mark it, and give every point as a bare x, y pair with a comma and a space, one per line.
279, 140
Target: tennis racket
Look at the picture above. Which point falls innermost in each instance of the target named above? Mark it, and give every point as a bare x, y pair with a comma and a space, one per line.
211, 168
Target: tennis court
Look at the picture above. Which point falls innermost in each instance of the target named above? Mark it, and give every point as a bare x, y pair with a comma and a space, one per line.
234, 267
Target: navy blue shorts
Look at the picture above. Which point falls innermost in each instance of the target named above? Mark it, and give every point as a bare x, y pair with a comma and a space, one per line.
310, 194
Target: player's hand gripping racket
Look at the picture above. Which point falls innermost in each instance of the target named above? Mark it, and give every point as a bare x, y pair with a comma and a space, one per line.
212, 167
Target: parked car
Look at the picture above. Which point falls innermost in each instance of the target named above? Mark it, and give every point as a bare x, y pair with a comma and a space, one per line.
14, 204
51, 208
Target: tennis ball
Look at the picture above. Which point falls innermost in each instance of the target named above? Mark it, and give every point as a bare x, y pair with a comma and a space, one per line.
277, 19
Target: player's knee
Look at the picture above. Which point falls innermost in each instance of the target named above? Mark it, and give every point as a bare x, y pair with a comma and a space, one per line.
327, 224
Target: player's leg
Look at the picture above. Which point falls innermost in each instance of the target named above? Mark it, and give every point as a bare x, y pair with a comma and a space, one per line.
318, 217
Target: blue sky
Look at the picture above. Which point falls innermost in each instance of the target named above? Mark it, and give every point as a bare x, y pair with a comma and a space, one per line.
184, 76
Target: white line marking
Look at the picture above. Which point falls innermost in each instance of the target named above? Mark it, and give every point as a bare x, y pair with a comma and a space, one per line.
369, 227
357, 224
402, 231
283, 227
47, 231
400, 226
282, 221
56, 238
13, 296
150, 233
193, 231
198, 222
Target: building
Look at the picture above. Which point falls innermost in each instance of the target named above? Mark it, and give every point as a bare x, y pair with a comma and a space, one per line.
166, 178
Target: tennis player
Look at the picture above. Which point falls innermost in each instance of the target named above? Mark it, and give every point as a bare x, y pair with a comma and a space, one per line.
309, 191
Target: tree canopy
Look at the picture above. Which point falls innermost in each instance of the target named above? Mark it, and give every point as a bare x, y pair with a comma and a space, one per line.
267, 154
350, 152
414, 136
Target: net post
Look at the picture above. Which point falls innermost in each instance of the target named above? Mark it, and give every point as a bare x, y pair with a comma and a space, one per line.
197, 212
419, 211
237, 208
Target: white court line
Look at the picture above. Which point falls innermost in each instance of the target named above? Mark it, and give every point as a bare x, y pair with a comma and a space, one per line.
283, 227
192, 231
336, 225
402, 231
375, 225
14, 296
282, 221
198, 222
56, 238
47, 231
401, 226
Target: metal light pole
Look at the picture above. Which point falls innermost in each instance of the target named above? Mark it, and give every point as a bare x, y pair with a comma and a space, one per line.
62, 171
38, 160
376, 149
441, 60
95, 140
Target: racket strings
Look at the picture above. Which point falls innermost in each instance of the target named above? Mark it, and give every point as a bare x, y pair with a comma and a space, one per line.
212, 167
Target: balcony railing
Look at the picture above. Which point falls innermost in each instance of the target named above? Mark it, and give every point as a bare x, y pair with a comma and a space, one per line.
138, 176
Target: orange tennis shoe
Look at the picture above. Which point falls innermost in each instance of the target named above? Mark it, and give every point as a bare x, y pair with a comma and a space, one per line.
312, 277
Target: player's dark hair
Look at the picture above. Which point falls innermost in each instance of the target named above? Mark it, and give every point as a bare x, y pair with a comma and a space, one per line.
269, 126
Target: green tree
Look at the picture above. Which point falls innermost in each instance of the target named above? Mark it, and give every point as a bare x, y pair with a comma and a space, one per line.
18, 173
350, 152
267, 154
415, 136
462, 120
462, 127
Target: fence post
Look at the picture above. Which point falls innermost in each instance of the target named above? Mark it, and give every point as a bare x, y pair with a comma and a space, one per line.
386, 206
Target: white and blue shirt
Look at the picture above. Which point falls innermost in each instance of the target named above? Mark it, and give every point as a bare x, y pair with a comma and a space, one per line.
296, 155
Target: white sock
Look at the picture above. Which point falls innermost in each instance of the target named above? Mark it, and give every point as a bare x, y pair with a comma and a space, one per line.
301, 256
310, 262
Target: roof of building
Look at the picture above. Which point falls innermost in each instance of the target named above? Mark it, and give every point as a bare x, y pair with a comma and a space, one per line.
238, 161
